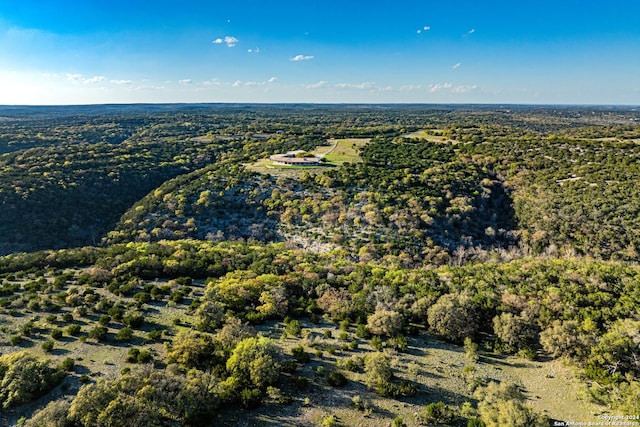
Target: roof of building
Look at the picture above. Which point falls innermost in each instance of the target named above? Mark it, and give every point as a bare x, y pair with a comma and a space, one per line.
290, 158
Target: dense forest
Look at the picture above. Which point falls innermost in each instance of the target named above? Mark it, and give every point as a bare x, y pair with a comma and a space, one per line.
452, 265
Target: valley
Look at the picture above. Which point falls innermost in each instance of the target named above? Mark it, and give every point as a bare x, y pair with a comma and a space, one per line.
442, 265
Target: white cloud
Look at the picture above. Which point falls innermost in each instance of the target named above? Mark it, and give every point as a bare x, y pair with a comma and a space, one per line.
425, 28
121, 82
76, 78
362, 85
464, 89
256, 50
94, 79
368, 86
439, 86
317, 85
79, 78
456, 66
185, 81
410, 88
150, 88
471, 31
448, 87
239, 83
301, 58
230, 41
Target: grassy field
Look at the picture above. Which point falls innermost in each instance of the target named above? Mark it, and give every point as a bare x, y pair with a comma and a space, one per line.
345, 150
92, 359
340, 151
432, 135
440, 370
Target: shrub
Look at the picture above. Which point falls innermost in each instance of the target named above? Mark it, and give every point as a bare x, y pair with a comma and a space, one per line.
191, 349
233, 332
437, 413
154, 336
27, 328
142, 297
67, 317
503, 404
453, 317
278, 396
133, 319
98, 333
145, 356
293, 328
52, 415
617, 351
300, 355
255, 317
470, 350
124, 334
15, 340
402, 389
515, 332
47, 346
565, 338
116, 312
24, 378
289, 366
250, 397
337, 379
209, 316
329, 421
74, 330
385, 322
67, 364
377, 367
399, 343
376, 343
176, 296
353, 364
56, 334
132, 355
254, 362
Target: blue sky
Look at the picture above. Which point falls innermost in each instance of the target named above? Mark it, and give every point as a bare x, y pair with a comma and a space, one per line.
82, 52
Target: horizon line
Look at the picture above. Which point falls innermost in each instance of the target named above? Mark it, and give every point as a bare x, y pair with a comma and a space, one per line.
228, 103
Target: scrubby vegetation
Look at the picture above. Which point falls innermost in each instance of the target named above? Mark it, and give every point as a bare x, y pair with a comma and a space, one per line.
439, 270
